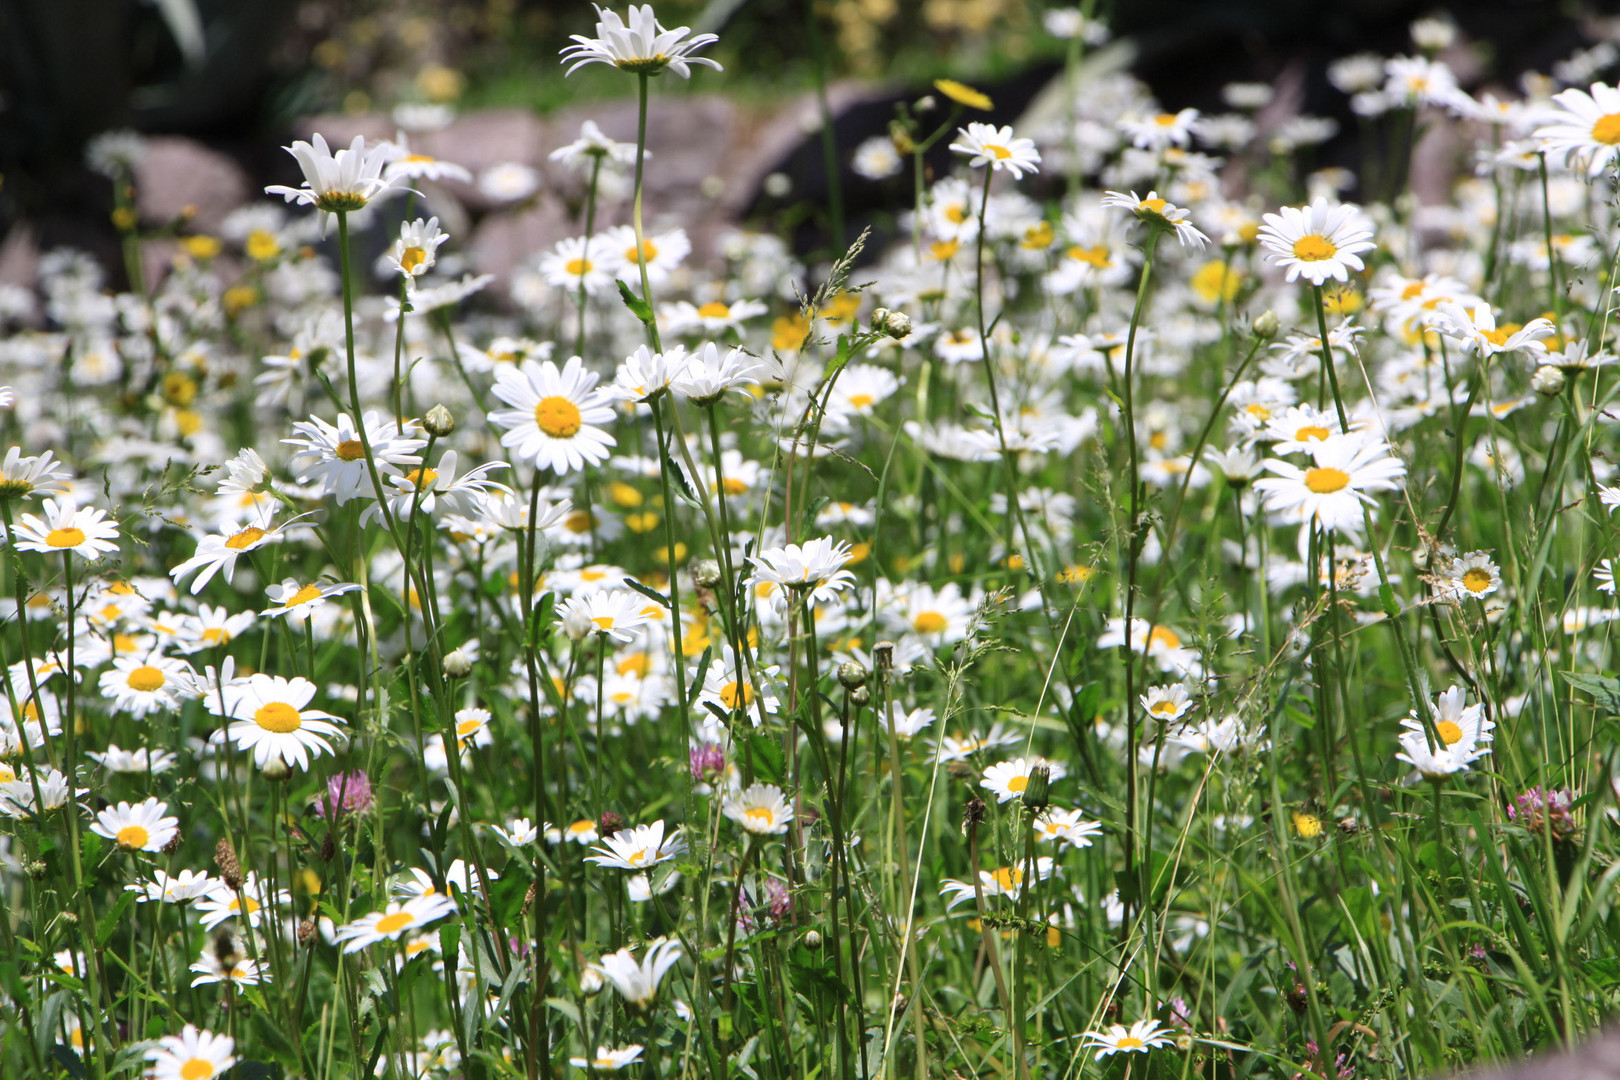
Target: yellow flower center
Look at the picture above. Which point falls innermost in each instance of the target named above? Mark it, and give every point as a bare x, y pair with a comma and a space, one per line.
1476, 580
578, 267
64, 538
1165, 119
1008, 877
737, 695
133, 836
1166, 638
304, 595
1326, 480
244, 539
1312, 433
714, 309
1314, 248
261, 245
759, 815
942, 250
603, 622
1018, 783
279, 717
637, 664
929, 622
422, 478
393, 924
956, 213
733, 485
1164, 708
412, 258
861, 401
1130, 1042
1498, 336
637, 857
1450, 733
1607, 129
1258, 411
467, 727
648, 253
197, 1069
1094, 256
1153, 206
147, 678
1000, 153
580, 521
558, 417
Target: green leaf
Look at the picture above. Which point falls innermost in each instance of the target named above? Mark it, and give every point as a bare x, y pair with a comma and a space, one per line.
1604, 690
765, 755
649, 592
638, 307
696, 688
109, 923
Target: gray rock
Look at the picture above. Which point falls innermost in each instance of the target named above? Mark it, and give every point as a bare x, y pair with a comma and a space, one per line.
177, 172
1598, 1059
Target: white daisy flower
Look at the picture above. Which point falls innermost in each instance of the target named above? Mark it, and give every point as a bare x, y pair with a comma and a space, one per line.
269, 719
223, 902
1139, 1038
760, 809
1159, 214
615, 613
642, 47
1332, 490
64, 527
1069, 827
553, 415
1009, 779
1473, 575
176, 889
335, 456
1317, 242
1585, 128
391, 923
141, 826
637, 981
346, 180
192, 1054
142, 686
415, 252
1005, 881
638, 848
986, 144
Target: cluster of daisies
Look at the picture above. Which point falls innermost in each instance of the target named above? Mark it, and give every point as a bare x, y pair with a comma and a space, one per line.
428, 574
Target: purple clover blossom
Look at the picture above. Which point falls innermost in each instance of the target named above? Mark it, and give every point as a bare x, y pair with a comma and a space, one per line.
1537, 809
346, 793
708, 762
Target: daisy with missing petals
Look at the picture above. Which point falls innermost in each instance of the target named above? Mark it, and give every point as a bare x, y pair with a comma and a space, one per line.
191, 1055
1333, 489
216, 553
815, 567
645, 375
186, 885
223, 902
643, 47
271, 721
389, 924
638, 848
21, 477
140, 826
710, 375
760, 809
1603, 576
1139, 1038
295, 602
1317, 242
1473, 575
637, 982
553, 415
1069, 827
986, 144
1158, 215
1009, 779
1585, 128
1006, 881
1476, 331
64, 527
335, 456
333, 183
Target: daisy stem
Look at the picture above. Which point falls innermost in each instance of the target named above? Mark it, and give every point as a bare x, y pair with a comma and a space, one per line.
1133, 548
1556, 294
399, 350
585, 251
1386, 593
635, 218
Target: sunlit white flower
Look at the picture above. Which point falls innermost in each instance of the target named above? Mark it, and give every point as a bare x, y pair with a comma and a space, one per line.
1158, 213
1585, 128
416, 250
638, 848
390, 923
1069, 827
637, 982
759, 809
270, 720
642, 46
986, 144
1332, 490
141, 826
1005, 881
192, 1054
1461, 734
1139, 1038
554, 415
344, 181
1317, 242
64, 527
1476, 331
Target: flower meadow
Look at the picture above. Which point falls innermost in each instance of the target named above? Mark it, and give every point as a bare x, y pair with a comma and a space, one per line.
1146, 614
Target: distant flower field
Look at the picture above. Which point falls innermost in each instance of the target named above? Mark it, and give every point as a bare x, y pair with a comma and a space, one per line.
1146, 616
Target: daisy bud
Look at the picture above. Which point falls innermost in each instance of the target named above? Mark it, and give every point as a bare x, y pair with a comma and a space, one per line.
576, 623
275, 770
851, 675
1266, 325
1035, 789
609, 824
439, 422
1548, 381
229, 869
860, 697
706, 573
456, 665
590, 982
174, 842
926, 103
812, 939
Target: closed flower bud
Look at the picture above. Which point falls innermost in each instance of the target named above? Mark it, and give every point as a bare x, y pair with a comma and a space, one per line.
456, 664
275, 770
812, 939
1266, 325
590, 982
851, 675
1034, 796
860, 697
706, 573
439, 422
1548, 381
